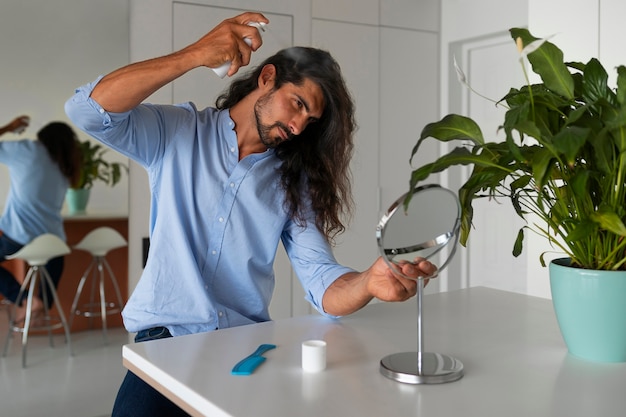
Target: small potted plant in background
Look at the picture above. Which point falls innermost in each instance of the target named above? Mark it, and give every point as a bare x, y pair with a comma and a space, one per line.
562, 165
94, 168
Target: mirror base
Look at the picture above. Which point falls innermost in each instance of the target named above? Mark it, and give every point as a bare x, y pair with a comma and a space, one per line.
436, 368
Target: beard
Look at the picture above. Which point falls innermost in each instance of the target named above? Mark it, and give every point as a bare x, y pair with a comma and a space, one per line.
265, 130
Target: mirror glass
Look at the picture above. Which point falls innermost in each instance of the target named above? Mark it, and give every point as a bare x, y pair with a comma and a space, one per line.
429, 224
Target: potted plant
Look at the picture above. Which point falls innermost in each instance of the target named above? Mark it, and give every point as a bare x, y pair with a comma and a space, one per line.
562, 165
94, 168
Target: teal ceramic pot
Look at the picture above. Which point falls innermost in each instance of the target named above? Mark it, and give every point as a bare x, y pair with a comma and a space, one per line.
590, 308
76, 199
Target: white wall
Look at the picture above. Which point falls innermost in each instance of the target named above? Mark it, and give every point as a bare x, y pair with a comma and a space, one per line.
48, 49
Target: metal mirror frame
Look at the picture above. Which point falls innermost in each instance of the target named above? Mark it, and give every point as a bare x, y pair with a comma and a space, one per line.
420, 367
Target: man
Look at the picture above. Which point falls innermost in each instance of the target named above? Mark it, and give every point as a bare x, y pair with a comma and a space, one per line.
228, 183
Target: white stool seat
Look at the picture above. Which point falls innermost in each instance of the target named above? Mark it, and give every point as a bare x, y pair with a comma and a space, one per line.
99, 242
37, 253
41, 249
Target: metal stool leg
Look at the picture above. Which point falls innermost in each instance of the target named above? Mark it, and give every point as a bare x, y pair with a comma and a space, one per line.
12, 311
27, 320
46, 310
57, 303
79, 291
91, 306
118, 293
103, 301
103, 264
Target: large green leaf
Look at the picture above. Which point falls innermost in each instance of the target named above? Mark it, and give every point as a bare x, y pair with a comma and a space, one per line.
615, 120
609, 220
451, 127
576, 114
569, 141
458, 156
578, 183
519, 243
531, 129
595, 81
513, 148
547, 61
603, 153
582, 230
541, 164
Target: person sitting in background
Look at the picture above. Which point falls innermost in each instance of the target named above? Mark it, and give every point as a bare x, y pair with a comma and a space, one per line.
40, 173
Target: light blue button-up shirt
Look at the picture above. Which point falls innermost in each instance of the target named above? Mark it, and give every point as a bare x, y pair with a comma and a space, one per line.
215, 221
36, 194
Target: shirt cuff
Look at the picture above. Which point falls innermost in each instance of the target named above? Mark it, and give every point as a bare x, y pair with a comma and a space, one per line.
87, 113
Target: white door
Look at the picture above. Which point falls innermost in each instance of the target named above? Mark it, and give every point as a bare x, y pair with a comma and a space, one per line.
492, 66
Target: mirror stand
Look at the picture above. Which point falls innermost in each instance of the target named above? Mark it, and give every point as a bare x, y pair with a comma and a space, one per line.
421, 367
434, 219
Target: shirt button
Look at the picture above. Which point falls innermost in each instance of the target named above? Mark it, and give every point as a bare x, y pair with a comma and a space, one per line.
232, 185
101, 110
221, 314
221, 219
232, 149
213, 252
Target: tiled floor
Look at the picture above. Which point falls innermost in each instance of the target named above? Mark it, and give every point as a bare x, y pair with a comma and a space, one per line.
56, 385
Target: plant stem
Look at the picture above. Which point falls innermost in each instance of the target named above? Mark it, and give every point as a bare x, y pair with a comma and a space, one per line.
530, 89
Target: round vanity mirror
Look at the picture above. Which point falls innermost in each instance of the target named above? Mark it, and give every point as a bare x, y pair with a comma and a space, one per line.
426, 228
429, 224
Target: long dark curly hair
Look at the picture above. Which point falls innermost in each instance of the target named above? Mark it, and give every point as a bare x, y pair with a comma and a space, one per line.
319, 158
62, 145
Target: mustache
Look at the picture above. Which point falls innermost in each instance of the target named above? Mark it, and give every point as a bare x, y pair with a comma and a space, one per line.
289, 135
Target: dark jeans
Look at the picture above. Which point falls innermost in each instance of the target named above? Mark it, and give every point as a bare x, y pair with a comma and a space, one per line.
136, 398
10, 287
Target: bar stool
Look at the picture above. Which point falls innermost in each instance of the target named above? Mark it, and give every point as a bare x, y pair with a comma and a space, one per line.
37, 253
99, 242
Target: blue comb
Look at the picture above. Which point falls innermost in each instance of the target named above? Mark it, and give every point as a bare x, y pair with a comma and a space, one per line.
247, 365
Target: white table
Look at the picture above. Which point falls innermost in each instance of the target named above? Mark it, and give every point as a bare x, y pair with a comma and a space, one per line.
516, 364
